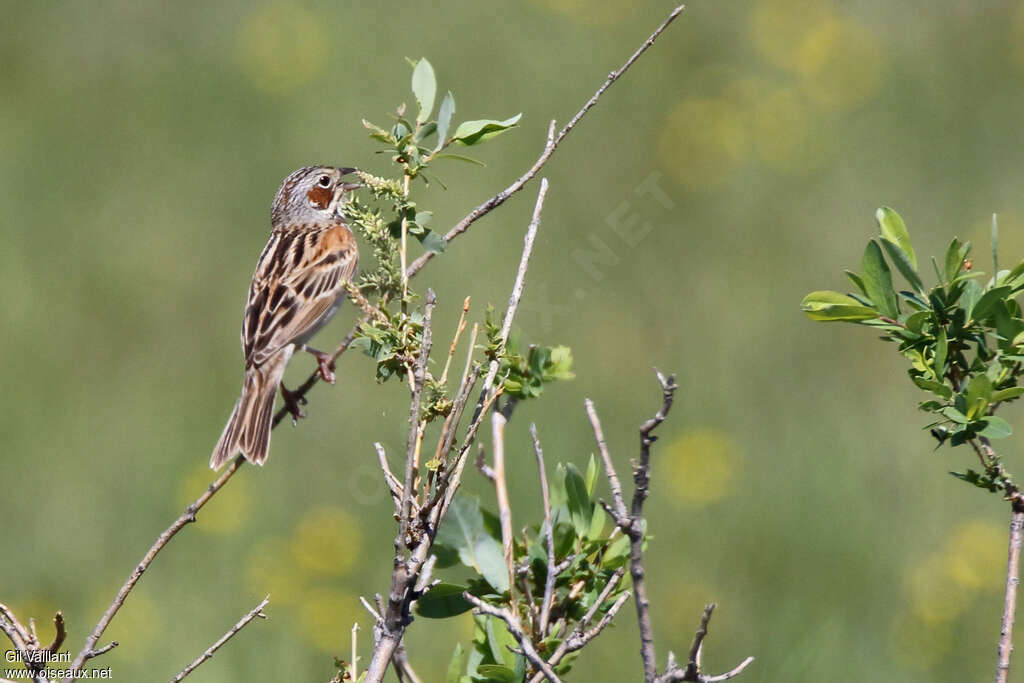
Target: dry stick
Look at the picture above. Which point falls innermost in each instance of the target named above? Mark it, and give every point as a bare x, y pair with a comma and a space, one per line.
189, 515
242, 623
631, 523
501, 493
1010, 602
517, 289
693, 664
514, 627
549, 537
549, 149
633, 528
987, 455
455, 340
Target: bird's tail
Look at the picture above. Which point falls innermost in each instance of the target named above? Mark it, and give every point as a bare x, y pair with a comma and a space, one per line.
248, 429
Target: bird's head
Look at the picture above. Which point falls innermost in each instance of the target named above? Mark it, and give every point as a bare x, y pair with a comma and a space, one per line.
311, 195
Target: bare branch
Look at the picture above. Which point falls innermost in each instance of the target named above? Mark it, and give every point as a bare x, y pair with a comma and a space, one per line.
102, 650
501, 494
455, 341
692, 671
632, 524
481, 464
1010, 597
516, 295
619, 513
549, 536
514, 627
300, 392
392, 482
549, 148
189, 515
242, 623
10, 625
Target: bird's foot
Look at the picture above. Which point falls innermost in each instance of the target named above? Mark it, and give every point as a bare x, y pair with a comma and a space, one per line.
325, 362
292, 403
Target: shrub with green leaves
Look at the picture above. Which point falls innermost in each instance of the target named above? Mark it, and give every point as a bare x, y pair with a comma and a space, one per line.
963, 336
588, 551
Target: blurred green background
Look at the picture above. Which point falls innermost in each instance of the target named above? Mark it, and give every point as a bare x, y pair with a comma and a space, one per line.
142, 143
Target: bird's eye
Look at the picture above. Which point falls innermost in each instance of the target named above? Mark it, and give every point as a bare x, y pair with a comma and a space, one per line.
324, 181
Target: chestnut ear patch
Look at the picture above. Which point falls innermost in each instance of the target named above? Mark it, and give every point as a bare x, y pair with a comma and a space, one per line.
320, 197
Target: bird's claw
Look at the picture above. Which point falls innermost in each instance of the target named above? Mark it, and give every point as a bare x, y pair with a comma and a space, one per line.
292, 403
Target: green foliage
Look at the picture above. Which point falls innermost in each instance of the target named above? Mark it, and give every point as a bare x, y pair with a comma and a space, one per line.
588, 551
524, 376
393, 337
963, 340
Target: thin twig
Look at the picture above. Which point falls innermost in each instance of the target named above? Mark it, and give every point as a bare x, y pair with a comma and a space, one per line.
455, 340
242, 623
549, 148
549, 536
632, 524
392, 482
515, 296
1010, 598
514, 628
189, 515
501, 494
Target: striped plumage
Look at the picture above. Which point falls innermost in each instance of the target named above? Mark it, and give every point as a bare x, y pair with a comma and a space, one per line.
298, 285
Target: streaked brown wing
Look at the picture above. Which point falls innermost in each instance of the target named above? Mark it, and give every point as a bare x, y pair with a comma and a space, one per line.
300, 276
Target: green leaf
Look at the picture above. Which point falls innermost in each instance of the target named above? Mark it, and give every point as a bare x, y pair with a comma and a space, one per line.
461, 157
580, 507
442, 601
490, 561
899, 257
432, 241
979, 389
857, 281
597, 522
954, 415
988, 301
982, 481
455, 665
474, 132
895, 231
829, 306
444, 119
969, 299
1007, 394
878, 281
497, 673
995, 427
498, 641
937, 388
462, 525
941, 349
424, 86
591, 477
954, 259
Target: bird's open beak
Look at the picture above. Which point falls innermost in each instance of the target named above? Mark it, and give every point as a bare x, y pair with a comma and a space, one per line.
348, 187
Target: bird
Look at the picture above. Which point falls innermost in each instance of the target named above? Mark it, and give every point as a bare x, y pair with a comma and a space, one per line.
298, 286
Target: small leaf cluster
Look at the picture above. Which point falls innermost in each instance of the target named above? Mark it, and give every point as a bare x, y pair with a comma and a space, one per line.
391, 215
588, 549
525, 374
964, 339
